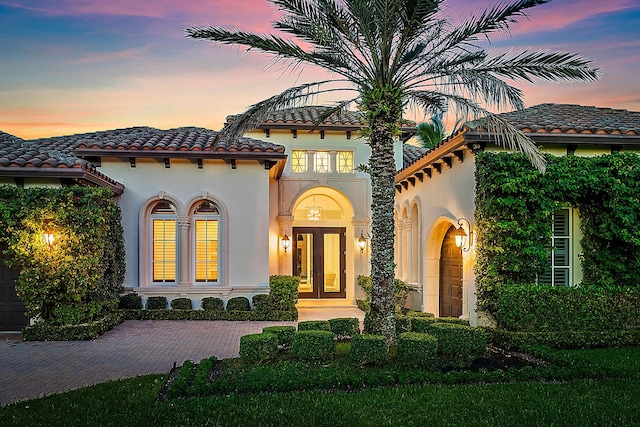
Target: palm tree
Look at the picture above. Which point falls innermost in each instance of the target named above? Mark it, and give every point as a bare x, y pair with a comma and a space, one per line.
392, 54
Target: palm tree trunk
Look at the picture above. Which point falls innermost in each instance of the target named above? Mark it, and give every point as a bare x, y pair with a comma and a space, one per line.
383, 116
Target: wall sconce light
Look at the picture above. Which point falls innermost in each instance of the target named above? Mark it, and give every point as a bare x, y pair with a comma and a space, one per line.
286, 242
48, 234
362, 241
463, 240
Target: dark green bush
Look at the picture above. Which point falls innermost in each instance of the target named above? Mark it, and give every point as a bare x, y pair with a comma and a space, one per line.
565, 339
130, 302
88, 331
183, 380
345, 327
181, 304
261, 302
369, 349
313, 345
238, 304
209, 315
422, 325
284, 334
458, 345
212, 304
314, 325
537, 308
417, 350
156, 303
400, 292
419, 314
403, 323
284, 292
258, 348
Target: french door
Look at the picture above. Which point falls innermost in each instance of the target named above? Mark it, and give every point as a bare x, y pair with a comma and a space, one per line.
319, 261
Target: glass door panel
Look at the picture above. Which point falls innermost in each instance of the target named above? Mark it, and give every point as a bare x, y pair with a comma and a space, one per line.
332, 262
304, 261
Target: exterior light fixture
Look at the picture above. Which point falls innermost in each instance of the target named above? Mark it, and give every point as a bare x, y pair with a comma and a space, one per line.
286, 242
48, 234
362, 242
463, 240
314, 212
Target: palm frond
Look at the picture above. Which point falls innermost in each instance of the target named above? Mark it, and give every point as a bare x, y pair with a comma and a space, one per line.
259, 112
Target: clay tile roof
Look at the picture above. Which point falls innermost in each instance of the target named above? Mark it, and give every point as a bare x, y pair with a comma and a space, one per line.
184, 139
411, 154
569, 118
309, 115
17, 152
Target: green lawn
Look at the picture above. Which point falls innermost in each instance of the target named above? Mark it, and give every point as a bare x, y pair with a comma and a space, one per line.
132, 402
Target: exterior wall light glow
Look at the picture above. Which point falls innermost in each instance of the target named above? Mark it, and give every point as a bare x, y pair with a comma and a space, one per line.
48, 235
362, 242
464, 240
286, 242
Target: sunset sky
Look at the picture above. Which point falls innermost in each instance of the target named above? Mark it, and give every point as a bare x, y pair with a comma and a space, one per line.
73, 66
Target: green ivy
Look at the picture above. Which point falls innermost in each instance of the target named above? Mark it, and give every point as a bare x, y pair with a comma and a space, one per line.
514, 204
79, 276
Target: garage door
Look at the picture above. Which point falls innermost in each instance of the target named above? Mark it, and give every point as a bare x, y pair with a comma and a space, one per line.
12, 309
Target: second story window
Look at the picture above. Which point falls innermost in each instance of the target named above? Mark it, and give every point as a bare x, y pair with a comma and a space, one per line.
321, 162
298, 161
345, 161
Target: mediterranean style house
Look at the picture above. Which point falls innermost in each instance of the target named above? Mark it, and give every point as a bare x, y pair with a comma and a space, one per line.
203, 216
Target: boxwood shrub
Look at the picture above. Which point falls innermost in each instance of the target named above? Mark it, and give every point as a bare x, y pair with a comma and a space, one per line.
181, 304
284, 334
345, 327
156, 303
417, 350
458, 345
258, 348
314, 325
313, 345
421, 325
212, 304
130, 302
284, 292
238, 304
403, 323
369, 349
86, 331
261, 302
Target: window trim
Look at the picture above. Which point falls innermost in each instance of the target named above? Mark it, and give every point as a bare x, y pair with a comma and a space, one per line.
569, 238
192, 242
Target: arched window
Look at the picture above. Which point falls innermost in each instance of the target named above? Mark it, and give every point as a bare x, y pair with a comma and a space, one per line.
206, 218
164, 255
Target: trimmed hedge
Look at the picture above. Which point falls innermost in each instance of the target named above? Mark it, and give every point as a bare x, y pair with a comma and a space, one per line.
212, 304
369, 349
156, 303
458, 345
403, 323
130, 302
537, 308
284, 334
181, 304
238, 304
209, 315
82, 332
565, 339
417, 350
313, 345
314, 325
258, 348
284, 292
261, 302
345, 327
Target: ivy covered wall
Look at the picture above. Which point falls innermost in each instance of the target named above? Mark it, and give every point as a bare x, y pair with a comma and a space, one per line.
514, 204
79, 276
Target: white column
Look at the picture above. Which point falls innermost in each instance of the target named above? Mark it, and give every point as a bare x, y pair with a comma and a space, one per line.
184, 271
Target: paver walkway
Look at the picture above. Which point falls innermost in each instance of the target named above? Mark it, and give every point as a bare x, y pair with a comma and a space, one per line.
34, 369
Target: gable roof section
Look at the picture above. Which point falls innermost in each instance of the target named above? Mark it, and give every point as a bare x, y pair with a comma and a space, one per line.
22, 159
545, 124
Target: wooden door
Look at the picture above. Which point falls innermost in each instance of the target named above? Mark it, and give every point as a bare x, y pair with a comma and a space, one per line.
450, 276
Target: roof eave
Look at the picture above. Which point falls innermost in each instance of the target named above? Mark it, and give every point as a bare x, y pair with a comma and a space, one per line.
59, 173
191, 154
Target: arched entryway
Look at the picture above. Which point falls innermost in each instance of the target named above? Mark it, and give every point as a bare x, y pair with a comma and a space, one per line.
450, 276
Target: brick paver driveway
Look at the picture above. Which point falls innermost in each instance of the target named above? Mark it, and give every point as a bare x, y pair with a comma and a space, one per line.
34, 369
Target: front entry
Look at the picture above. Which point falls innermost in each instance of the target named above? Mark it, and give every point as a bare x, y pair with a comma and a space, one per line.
450, 276
319, 261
